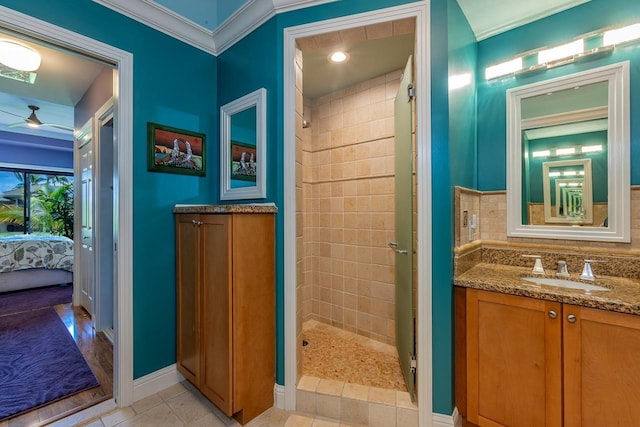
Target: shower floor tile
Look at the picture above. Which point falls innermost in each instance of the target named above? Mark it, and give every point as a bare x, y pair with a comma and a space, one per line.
336, 354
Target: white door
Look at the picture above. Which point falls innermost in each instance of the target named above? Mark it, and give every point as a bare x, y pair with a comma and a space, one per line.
84, 259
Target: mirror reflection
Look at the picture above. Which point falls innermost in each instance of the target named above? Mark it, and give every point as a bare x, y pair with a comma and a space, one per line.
567, 192
564, 156
244, 160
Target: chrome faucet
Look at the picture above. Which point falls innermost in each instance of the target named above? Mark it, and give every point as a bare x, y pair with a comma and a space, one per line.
562, 269
587, 272
537, 267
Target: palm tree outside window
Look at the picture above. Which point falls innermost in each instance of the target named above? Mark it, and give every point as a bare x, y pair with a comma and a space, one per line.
36, 202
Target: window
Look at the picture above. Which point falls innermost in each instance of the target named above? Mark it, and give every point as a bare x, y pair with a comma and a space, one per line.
36, 202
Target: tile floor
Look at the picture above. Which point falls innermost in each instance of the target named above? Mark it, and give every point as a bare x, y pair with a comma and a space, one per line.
183, 406
338, 394
337, 354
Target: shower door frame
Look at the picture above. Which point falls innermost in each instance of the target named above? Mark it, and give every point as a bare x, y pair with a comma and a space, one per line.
419, 11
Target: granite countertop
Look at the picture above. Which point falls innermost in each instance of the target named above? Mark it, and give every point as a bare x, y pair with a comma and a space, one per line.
246, 208
624, 296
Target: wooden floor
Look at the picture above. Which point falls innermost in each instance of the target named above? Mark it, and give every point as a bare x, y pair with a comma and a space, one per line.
98, 352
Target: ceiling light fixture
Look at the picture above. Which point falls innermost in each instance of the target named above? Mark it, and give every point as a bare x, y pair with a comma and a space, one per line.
339, 56
19, 56
33, 121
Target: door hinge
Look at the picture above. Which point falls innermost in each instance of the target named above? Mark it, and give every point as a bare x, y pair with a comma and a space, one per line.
411, 92
413, 365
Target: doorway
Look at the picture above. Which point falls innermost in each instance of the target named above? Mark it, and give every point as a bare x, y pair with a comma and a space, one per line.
30, 27
420, 14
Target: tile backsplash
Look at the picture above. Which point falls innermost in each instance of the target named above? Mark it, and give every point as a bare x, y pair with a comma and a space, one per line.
491, 244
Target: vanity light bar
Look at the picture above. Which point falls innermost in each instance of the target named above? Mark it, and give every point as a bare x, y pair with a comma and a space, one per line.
564, 51
503, 68
621, 35
599, 43
568, 151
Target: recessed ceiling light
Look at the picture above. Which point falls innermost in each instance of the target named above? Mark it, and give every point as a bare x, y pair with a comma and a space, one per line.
339, 56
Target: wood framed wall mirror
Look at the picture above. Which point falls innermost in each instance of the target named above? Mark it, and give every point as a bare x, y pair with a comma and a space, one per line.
568, 167
243, 126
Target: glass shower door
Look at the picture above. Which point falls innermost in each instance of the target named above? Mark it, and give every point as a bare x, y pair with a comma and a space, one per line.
403, 246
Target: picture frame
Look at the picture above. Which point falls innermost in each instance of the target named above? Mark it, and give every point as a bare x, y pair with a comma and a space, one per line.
174, 150
243, 147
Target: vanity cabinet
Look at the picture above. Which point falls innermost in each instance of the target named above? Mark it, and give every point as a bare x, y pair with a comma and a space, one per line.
226, 309
528, 362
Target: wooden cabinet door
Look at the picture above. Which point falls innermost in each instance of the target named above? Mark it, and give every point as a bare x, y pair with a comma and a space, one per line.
514, 358
253, 314
601, 368
188, 296
216, 367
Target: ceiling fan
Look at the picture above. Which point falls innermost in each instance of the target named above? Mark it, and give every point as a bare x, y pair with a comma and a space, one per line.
33, 121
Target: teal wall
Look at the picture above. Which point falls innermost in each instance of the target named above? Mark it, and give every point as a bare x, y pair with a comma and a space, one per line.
174, 84
242, 69
180, 86
554, 30
463, 59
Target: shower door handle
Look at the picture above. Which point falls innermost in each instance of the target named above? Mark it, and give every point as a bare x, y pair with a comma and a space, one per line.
394, 246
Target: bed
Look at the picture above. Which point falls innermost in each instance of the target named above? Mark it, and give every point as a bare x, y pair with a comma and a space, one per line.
31, 261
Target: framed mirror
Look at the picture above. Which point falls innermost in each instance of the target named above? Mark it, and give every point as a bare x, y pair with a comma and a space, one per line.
243, 125
568, 198
568, 169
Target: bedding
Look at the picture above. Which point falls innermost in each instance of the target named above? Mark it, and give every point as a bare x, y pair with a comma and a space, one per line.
27, 251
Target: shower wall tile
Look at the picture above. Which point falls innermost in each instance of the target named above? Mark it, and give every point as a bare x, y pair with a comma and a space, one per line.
348, 186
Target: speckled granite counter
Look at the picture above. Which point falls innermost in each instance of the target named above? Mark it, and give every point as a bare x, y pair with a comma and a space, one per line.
205, 209
624, 296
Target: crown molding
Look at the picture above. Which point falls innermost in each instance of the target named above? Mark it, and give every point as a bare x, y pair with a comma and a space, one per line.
243, 21
246, 19
485, 33
164, 20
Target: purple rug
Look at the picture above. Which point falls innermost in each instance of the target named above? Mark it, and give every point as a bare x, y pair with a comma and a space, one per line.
29, 299
39, 362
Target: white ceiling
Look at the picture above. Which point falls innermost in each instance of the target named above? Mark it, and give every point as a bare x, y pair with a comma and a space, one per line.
490, 17
61, 81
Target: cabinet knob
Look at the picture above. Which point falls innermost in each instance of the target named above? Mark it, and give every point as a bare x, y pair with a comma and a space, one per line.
198, 223
553, 314
571, 318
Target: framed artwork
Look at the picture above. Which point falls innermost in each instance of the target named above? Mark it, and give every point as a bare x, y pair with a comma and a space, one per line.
243, 147
175, 150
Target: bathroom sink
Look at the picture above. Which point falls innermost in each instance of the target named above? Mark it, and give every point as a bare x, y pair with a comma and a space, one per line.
571, 284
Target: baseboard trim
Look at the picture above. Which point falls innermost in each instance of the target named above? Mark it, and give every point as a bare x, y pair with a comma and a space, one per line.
155, 382
278, 396
441, 420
